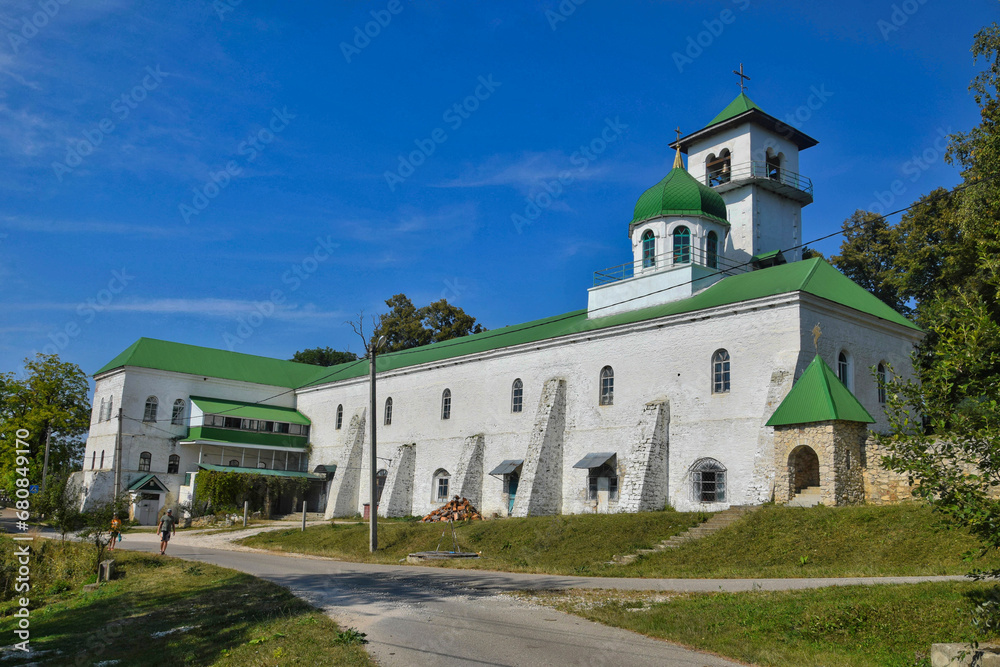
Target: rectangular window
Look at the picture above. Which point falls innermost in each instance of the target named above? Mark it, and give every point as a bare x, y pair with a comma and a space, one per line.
294, 429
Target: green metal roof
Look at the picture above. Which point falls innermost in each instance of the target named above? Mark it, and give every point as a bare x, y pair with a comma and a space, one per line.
260, 471
814, 276
819, 396
148, 482
250, 410
236, 437
208, 362
741, 104
679, 193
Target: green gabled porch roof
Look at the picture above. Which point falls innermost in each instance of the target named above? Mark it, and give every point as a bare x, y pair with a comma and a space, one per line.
819, 396
148, 482
261, 471
814, 276
209, 362
250, 410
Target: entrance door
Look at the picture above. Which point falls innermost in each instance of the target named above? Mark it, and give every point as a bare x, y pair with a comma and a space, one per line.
512, 480
603, 492
147, 511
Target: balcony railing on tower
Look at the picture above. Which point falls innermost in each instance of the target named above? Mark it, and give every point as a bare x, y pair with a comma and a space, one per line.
671, 259
780, 179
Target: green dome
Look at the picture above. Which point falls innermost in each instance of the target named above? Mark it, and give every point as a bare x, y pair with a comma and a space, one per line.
679, 194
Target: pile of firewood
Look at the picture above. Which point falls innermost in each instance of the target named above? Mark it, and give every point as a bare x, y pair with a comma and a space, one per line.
459, 509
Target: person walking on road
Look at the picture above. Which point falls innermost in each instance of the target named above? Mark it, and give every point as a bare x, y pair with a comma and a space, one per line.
116, 531
168, 525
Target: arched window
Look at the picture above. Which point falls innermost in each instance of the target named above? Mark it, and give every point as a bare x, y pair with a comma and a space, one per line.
708, 481
177, 416
881, 375
100, 415
712, 251
773, 165
150, 414
844, 368
101, 467
446, 404
340, 416
720, 372
648, 249
682, 245
718, 169
380, 478
93, 457
234, 463
607, 386
144, 461
262, 465
173, 464
388, 411
517, 396
442, 480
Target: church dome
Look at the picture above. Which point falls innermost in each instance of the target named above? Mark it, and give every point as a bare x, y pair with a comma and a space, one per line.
679, 193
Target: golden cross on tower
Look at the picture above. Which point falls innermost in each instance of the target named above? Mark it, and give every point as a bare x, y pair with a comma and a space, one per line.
678, 162
678, 131
743, 78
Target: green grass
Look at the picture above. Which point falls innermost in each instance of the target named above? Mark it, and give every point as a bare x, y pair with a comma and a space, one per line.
774, 541
580, 544
855, 626
218, 617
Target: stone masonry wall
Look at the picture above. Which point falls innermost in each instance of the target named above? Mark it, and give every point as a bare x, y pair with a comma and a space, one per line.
644, 486
397, 496
468, 480
882, 486
540, 488
346, 483
838, 446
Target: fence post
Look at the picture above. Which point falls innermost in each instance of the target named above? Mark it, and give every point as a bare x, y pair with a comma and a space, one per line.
246, 509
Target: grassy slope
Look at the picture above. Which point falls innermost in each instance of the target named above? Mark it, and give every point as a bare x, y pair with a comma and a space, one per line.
579, 544
856, 626
846, 541
235, 619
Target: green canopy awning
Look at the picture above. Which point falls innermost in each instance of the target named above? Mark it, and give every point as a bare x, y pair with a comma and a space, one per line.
261, 471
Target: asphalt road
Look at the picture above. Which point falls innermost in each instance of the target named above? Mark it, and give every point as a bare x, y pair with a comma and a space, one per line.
432, 616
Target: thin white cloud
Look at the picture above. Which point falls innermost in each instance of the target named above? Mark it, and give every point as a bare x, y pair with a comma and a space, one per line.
526, 171
203, 307
47, 226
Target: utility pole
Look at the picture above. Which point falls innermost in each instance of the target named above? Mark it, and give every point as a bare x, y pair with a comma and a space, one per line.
45, 464
118, 458
372, 498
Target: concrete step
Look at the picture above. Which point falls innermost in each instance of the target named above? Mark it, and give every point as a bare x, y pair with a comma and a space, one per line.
807, 497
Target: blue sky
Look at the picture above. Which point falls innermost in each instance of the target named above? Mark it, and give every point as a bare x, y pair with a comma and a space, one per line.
215, 173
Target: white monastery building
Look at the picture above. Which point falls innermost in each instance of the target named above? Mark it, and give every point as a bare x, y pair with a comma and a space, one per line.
700, 375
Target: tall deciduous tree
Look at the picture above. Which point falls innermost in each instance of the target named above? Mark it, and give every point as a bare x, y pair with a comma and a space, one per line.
405, 326
323, 356
51, 394
869, 257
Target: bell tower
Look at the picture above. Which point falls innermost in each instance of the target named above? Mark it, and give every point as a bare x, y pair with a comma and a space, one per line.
751, 159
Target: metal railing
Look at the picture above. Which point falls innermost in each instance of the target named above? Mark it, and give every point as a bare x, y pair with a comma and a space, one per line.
667, 260
758, 170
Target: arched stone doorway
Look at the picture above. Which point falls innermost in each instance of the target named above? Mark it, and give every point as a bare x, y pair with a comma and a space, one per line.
803, 468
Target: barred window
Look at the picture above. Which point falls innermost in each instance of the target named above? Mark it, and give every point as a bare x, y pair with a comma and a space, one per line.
446, 404
234, 463
177, 417
145, 459
340, 416
517, 396
173, 464
708, 481
648, 250
720, 372
388, 411
150, 413
607, 386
